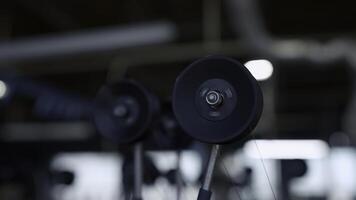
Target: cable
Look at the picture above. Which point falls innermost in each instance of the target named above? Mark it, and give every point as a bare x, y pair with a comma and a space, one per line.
264, 168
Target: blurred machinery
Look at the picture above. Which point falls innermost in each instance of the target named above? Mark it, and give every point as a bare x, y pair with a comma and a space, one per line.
98, 100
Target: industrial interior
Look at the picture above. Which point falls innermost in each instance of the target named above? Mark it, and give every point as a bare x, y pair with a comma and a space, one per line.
177, 100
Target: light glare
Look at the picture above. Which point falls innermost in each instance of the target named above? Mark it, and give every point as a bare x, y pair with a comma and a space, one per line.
260, 69
3, 89
286, 149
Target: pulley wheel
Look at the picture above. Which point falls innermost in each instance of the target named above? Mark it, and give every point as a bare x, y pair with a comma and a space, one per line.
217, 100
124, 110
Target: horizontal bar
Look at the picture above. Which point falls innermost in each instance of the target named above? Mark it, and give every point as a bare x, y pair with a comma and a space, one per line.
69, 44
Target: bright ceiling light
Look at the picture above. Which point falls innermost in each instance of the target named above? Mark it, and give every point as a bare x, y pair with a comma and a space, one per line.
286, 149
260, 69
3, 89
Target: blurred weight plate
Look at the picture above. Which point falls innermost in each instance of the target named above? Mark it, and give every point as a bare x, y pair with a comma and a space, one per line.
217, 100
124, 111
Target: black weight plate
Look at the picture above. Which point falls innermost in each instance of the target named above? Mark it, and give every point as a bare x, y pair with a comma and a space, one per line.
237, 117
124, 110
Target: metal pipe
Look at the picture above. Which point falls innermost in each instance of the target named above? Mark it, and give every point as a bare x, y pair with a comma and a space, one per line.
87, 42
211, 166
138, 176
179, 180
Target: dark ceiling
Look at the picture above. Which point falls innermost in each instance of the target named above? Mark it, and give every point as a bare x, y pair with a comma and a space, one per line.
304, 17
314, 96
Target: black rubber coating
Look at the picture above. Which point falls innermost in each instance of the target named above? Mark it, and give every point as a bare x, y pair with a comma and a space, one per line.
204, 195
230, 122
140, 108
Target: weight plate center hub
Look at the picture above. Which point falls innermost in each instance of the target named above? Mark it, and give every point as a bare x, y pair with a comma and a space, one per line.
215, 99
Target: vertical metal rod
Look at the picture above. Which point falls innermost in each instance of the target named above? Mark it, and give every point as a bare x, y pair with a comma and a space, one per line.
178, 176
211, 165
138, 176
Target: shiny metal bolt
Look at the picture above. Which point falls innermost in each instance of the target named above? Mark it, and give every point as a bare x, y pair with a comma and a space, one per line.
214, 98
121, 111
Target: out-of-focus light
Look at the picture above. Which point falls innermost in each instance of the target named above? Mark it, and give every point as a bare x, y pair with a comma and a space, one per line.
3, 89
286, 149
190, 163
260, 69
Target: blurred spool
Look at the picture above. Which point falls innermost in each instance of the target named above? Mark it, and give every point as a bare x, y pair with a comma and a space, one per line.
124, 111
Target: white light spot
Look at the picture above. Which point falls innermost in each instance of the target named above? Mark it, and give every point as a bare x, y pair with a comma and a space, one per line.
190, 165
286, 149
3, 89
260, 69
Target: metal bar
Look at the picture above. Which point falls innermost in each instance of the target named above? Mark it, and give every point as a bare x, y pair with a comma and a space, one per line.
211, 166
87, 42
179, 176
163, 53
138, 171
